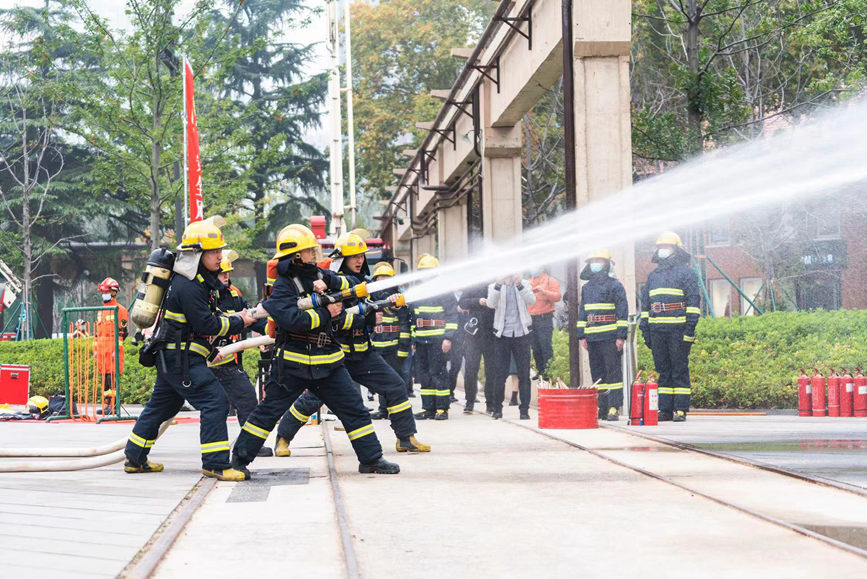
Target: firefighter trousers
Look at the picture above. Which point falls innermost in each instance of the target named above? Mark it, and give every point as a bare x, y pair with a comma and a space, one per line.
239, 389
203, 391
671, 360
480, 346
396, 364
605, 368
429, 366
337, 391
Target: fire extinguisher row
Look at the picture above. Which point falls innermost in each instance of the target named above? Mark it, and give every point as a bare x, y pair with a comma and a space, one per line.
846, 394
644, 402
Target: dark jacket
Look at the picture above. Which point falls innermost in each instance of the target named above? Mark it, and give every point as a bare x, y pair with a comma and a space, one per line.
604, 312
483, 314
434, 319
354, 335
394, 332
230, 301
670, 301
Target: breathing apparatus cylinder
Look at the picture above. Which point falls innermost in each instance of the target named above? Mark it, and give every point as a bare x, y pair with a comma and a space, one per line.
152, 288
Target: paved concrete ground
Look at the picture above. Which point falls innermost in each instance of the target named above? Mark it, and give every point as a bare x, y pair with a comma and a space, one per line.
498, 498
829, 448
87, 523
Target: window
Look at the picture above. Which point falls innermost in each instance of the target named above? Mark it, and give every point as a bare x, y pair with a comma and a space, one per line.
824, 223
751, 286
719, 232
720, 297
820, 289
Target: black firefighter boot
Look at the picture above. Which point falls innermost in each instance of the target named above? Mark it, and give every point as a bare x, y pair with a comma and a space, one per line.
380, 466
424, 415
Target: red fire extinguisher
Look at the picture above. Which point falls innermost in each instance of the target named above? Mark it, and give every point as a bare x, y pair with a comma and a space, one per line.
818, 383
651, 402
859, 402
805, 399
636, 400
847, 388
833, 393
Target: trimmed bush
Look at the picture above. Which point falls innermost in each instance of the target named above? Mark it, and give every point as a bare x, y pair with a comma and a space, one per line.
752, 362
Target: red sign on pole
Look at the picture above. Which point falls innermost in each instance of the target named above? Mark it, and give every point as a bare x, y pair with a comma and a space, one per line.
192, 157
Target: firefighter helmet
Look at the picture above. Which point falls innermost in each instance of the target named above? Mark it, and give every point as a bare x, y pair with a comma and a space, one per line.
37, 405
599, 254
107, 285
348, 245
427, 261
383, 268
228, 259
294, 238
203, 236
669, 238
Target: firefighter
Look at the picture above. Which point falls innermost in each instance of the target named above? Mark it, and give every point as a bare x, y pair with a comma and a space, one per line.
183, 340
391, 336
104, 344
603, 320
433, 324
670, 308
307, 356
230, 370
365, 365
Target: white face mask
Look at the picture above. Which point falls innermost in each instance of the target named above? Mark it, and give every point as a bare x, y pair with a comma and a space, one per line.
106, 297
596, 267
664, 253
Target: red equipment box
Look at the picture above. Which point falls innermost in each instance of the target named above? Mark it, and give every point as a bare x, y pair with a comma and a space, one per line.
14, 384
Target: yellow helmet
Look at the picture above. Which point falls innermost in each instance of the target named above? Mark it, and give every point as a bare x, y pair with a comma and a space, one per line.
294, 238
228, 258
361, 232
203, 235
427, 261
383, 268
350, 244
599, 254
37, 404
669, 238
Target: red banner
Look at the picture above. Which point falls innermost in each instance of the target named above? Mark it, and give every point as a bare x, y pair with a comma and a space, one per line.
194, 160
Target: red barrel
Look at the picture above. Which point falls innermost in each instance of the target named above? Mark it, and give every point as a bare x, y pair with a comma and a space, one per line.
636, 401
805, 399
847, 389
567, 408
651, 402
818, 383
834, 395
860, 395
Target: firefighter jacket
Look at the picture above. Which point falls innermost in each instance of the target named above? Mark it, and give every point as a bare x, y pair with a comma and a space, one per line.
604, 312
483, 326
354, 336
230, 301
393, 334
434, 319
191, 321
103, 345
304, 344
670, 301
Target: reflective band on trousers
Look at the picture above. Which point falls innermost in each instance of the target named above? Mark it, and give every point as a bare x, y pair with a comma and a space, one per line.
358, 347
139, 441
300, 417
443, 392
255, 430
215, 447
399, 407
359, 432
610, 386
428, 392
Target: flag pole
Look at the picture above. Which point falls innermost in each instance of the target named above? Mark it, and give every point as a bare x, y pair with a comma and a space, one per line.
186, 192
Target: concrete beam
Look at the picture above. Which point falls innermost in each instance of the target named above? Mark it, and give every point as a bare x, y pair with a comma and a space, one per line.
462, 53
399, 172
441, 94
392, 189
602, 27
425, 125
409, 153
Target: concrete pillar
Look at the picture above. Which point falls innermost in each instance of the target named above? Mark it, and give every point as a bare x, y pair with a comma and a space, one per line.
452, 232
424, 244
603, 144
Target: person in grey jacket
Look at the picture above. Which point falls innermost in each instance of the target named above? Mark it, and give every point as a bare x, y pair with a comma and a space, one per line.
509, 299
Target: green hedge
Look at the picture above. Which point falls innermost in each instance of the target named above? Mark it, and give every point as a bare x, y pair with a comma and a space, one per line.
45, 358
752, 362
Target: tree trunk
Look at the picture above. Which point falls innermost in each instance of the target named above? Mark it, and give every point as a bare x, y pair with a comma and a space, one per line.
693, 97
26, 231
156, 153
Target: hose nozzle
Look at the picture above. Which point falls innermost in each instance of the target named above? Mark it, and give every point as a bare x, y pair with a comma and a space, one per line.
319, 300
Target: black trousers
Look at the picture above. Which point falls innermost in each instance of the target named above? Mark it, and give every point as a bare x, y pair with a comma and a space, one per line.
239, 389
605, 366
543, 331
429, 365
203, 391
369, 370
504, 349
671, 360
455, 358
397, 364
336, 389
478, 347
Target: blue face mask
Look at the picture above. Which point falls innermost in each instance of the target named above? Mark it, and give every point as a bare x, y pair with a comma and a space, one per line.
596, 267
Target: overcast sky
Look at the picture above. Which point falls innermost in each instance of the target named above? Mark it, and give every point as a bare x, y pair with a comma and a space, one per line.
316, 32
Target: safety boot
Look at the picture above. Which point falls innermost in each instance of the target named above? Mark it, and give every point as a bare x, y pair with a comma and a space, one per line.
265, 451
148, 466
441, 415
235, 474
613, 415
514, 400
282, 447
424, 415
679, 416
664, 416
379, 415
381, 466
468, 409
410, 444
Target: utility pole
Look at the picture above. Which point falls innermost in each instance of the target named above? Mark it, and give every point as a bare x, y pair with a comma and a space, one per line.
336, 148
350, 120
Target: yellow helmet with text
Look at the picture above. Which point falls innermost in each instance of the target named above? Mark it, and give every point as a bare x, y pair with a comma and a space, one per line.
427, 261
294, 238
383, 268
202, 236
228, 259
669, 238
348, 245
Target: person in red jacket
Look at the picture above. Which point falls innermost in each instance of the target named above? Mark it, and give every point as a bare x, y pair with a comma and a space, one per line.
547, 292
103, 345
